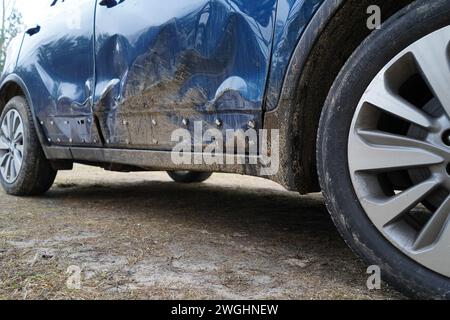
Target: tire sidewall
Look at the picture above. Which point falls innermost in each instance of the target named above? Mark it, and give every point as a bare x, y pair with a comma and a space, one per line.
403, 29
20, 105
189, 176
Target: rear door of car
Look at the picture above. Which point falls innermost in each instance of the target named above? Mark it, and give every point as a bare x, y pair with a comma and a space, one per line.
162, 65
57, 65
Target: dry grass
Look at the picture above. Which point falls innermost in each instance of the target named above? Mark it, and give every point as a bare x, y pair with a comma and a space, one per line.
140, 236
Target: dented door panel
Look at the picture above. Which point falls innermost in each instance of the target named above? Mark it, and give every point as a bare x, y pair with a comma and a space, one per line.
179, 62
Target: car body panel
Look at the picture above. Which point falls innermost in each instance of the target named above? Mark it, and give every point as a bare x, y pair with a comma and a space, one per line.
232, 41
238, 90
293, 16
57, 66
12, 54
198, 60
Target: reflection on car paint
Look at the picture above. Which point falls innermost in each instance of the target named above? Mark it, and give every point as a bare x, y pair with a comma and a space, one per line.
221, 62
202, 61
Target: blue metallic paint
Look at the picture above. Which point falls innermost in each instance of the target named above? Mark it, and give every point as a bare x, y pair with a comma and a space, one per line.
197, 59
293, 17
12, 55
202, 59
57, 66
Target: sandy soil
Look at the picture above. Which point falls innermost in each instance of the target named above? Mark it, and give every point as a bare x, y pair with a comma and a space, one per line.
141, 236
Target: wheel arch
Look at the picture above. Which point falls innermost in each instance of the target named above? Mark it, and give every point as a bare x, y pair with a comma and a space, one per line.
13, 86
336, 30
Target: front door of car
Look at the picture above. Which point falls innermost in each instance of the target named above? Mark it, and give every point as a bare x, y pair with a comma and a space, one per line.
164, 65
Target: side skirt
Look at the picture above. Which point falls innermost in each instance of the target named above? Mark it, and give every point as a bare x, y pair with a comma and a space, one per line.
154, 160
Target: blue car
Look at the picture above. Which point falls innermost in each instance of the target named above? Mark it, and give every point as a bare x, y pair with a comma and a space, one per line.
347, 97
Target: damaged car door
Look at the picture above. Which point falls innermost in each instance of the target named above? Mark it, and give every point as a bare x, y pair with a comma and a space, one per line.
164, 65
58, 64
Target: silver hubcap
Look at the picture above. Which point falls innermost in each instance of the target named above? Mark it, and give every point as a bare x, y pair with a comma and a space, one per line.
11, 146
399, 151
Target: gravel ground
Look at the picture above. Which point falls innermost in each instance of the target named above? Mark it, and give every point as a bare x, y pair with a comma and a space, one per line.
141, 236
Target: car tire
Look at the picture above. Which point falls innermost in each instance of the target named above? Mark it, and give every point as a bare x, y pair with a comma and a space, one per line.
414, 22
189, 176
34, 175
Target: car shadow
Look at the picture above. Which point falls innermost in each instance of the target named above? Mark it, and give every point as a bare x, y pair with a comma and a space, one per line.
270, 232
230, 206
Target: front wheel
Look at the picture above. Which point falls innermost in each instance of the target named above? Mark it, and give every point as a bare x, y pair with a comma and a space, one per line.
384, 150
24, 170
189, 176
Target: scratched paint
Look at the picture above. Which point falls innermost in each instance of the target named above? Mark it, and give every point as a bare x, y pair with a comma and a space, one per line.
152, 61
57, 67
202, 60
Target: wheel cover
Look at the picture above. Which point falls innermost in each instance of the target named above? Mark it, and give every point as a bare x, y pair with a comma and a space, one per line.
11, 146
393, 135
